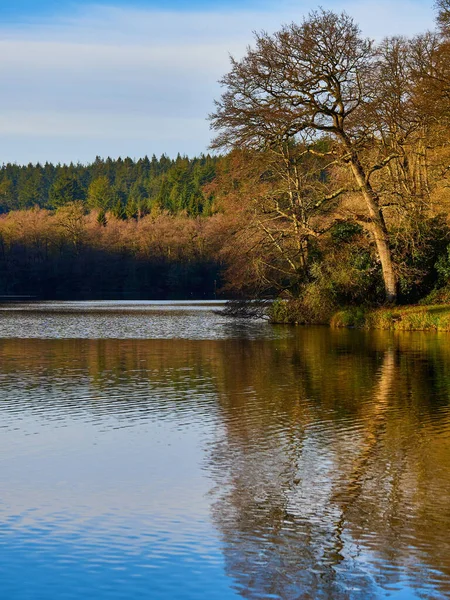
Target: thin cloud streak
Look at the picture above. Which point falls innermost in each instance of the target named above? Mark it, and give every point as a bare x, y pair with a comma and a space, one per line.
91, 125
147, 78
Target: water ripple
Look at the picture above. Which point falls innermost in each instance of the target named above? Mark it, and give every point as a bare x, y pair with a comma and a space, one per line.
230, 463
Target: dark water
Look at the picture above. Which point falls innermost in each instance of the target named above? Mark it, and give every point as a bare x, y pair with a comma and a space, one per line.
164, 452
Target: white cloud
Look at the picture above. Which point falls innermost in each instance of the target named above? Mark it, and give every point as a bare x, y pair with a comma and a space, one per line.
92, 124
144, 77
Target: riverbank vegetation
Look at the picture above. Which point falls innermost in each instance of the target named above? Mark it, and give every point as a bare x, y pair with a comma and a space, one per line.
332, 189
402, 318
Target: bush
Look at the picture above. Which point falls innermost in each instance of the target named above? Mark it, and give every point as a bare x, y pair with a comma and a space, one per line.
295, 312
443, 267
351, 317
345, 231
421, 255
285, 311
343, 275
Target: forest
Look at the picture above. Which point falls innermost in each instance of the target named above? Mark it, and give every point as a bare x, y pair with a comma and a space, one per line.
125, 188
329, 187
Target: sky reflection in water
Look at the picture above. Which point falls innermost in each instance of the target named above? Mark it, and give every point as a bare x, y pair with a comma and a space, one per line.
220, 461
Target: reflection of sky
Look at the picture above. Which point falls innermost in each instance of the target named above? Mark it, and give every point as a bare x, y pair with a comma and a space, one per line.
101, 570
89, 510
84, 78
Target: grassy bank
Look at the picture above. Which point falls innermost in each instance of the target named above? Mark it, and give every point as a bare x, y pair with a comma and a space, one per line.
402, 318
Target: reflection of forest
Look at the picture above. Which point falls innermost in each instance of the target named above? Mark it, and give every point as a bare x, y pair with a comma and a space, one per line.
332, 460
334, 469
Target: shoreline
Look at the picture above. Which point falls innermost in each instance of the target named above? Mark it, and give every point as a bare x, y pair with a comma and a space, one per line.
415, 317
396, 318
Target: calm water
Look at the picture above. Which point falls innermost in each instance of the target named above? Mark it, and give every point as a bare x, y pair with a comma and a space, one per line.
161, 451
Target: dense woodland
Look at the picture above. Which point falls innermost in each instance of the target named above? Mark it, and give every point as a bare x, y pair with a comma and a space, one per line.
112, 229
122, 187
332, 187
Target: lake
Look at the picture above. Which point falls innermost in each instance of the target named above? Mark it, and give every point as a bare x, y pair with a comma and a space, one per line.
163, 451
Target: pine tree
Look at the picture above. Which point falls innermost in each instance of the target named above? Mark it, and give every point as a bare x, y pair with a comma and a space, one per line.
101, 218
100, 194
65, 189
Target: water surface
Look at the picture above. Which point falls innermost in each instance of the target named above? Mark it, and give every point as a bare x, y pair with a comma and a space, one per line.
161, 451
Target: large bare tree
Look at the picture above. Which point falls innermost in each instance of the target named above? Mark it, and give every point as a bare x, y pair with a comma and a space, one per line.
315, 80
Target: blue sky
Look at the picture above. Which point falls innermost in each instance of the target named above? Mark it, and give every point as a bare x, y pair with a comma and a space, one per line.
82, 78
29, 9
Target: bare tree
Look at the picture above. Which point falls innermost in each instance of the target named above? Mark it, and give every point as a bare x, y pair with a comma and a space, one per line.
72, 220
313, 80
282, 202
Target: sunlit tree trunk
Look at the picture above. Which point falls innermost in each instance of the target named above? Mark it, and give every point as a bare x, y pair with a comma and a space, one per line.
379, 229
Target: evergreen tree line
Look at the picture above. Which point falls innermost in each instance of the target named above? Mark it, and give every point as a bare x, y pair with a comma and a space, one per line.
123, 187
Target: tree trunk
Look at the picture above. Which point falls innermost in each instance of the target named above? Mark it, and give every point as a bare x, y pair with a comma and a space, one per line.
379, 228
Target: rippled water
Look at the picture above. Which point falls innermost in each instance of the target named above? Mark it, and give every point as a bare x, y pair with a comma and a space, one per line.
125, 320
161, 451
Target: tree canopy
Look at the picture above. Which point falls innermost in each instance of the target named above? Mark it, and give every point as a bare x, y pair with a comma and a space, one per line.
134, 188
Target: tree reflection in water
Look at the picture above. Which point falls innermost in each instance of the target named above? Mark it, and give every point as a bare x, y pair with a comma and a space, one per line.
332, 471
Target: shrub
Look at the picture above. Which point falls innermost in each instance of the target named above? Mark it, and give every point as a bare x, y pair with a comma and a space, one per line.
437, 296
351, 317
421, 255
295, 312
345, 231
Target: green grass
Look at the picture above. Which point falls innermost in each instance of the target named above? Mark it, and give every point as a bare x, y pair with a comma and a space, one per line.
401, 318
